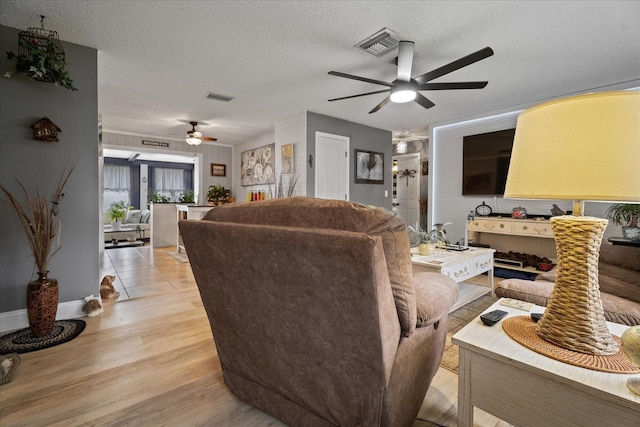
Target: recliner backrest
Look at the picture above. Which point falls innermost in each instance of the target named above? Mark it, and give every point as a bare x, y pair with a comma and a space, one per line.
307, 212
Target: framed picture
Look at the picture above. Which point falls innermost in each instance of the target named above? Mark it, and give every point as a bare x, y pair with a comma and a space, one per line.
218, 169
286, 157
257, 166
369, 167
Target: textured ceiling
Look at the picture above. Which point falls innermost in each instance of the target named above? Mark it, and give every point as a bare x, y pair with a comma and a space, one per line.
157, 59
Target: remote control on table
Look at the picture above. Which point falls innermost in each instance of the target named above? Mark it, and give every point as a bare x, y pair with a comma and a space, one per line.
492, 317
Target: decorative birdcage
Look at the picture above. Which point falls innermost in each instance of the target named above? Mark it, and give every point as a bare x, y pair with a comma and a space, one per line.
41, 56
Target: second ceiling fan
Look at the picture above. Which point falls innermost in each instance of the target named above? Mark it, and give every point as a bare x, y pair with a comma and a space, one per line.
405, 88
194, 137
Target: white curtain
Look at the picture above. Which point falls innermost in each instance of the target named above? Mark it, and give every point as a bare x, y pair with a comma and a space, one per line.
117, 185
168, 182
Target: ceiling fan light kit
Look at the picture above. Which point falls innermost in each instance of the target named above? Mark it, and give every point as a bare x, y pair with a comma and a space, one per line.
406, 89
193, 140
195, 137
403, 92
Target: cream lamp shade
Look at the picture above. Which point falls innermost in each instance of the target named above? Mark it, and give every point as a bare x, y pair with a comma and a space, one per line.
580, 148
585, 147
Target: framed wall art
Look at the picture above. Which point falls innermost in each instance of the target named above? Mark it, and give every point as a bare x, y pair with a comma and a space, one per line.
286, 152
257, 166
218, 169
369, 167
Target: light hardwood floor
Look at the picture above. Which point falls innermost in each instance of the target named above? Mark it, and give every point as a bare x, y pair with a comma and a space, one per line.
150, 360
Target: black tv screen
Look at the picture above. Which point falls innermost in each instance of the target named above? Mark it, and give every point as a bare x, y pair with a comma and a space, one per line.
485, 162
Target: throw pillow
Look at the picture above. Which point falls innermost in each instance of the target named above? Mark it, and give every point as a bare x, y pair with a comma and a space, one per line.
133, 217
146, 215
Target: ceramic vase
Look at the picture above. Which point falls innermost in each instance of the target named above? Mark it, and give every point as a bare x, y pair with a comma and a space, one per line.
42, 304
426, 248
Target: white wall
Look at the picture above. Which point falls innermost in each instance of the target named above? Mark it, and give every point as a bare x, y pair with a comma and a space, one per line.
292, 131
289, 131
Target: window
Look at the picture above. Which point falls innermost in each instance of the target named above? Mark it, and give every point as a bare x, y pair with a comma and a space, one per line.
117, 184
171, 182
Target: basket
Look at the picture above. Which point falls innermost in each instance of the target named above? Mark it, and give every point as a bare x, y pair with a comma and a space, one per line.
8, 377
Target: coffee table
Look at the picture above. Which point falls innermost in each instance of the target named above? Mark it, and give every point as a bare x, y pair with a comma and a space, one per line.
524, 388
132, 230
458, 265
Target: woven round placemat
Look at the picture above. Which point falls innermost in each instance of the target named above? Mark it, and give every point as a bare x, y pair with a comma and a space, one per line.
523, 330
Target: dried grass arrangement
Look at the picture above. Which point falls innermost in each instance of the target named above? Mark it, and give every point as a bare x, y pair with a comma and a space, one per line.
39, 219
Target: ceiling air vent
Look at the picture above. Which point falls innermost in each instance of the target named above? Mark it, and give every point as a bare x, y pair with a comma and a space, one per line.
217, 97
381, 42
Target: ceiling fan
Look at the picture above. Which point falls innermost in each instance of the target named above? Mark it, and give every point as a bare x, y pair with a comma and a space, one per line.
194, 137
405, 88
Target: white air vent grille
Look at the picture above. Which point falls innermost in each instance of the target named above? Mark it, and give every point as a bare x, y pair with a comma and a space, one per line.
217, 97
381, 42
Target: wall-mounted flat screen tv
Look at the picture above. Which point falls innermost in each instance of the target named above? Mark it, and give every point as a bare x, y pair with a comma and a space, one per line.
485, 162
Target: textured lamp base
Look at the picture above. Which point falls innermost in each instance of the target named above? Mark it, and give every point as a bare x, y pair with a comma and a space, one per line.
574, 318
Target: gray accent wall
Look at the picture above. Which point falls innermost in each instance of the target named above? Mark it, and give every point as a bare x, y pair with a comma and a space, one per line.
38, 165
361, 137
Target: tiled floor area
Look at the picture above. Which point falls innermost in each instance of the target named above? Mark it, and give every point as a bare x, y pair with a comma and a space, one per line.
144, 271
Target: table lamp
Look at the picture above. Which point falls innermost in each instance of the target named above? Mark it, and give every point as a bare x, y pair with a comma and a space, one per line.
585, 147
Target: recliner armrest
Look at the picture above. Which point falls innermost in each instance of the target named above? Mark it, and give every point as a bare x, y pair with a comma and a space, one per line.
435, 295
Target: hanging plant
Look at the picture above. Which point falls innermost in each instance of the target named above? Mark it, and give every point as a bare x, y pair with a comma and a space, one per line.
41, 57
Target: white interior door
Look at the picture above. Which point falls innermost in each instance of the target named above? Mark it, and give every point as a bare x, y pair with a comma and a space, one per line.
332, 166
407, 201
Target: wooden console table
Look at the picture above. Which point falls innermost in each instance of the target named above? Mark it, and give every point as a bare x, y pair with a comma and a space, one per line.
525, 388
506, 234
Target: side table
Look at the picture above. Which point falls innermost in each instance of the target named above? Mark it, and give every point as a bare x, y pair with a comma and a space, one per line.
524, 388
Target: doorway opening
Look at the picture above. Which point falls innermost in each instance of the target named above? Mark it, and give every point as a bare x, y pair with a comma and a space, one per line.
406, 188
134, 177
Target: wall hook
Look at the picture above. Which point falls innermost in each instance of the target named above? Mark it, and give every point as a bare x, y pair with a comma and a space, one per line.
310, 161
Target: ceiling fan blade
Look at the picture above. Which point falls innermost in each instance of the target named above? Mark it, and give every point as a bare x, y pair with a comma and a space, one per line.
452, 86
208, 138
420, 99
405, 60
362, 94
380, 105
455, 65
362, 79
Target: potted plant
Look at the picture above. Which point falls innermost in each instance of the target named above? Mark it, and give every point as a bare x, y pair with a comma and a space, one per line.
625, 215
218, 195
41, 57
117, 212
155, 197
39, 221
188, 196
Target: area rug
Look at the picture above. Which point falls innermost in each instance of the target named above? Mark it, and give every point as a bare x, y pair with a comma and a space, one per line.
457, 320
181, 257
22, 341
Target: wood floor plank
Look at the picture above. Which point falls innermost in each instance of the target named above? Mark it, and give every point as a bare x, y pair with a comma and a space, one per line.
151, 361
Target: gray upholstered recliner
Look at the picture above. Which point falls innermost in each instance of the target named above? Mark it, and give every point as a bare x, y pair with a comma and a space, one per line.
316, 315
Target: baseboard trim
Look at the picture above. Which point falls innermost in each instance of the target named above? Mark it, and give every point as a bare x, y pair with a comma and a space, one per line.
18, 319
